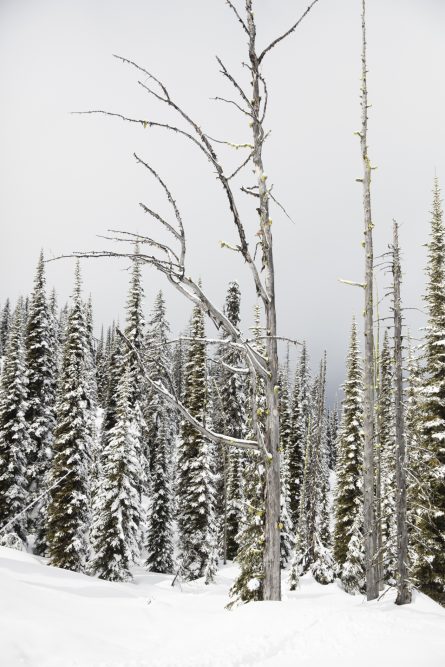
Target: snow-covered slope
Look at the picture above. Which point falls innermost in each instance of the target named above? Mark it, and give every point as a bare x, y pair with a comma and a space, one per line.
54, 618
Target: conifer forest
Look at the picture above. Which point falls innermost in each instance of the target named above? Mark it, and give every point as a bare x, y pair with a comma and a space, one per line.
171, 462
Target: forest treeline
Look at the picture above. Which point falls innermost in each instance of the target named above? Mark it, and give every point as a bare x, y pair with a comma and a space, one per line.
99, 472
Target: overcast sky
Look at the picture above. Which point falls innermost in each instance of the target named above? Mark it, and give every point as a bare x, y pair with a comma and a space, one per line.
66, 179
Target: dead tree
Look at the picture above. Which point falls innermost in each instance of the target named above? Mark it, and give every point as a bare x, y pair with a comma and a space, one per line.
370, 532
172, 261
403, 590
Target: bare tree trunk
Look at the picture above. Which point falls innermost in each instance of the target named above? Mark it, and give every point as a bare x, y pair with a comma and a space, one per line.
403, 590
272, 573
171, 262
370, 532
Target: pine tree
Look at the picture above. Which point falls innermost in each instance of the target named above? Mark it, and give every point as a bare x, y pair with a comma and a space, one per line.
161, 434
429, 567
386, 442
69, 503
5, 323
195, 492
332, 436
41, 352
248, 586
133, 354
287, 538
416, 494
117, 513
348, 495
353, 568
298, 436
313, 540
232, 400
101, 370
14, 438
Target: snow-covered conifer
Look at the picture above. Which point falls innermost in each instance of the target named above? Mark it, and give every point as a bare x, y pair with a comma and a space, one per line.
429, 567
69, 503
249, 584
195, 483
41, 353
298, 436
386, 444
117, 512
5, 323
161, 435
14, 438
348, 495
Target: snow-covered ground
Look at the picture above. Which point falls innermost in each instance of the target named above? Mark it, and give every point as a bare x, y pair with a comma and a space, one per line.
54, 618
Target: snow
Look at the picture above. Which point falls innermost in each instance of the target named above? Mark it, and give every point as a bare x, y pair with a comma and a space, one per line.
55, 618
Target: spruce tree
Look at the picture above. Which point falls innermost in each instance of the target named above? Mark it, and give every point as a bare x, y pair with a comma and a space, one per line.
429, 567
133, 354
298, 436
14, 439
101, 370
332, 435
41, 353
232, 392
313, 540
161, 434
195, 492
348, 495
248, 586
5, 323
117, 512
285, 434
69, 503
386, 442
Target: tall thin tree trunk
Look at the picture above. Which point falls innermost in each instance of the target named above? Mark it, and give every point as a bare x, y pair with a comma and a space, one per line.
370, 532
272, 572
403, 590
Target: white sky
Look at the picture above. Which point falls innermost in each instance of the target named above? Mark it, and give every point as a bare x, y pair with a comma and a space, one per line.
66, 179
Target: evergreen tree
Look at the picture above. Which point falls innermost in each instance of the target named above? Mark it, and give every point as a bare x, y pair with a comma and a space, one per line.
353, 568
133, 354
386, 442
195, 492
5, 323
429, 567
285, 434
298, 436
348, 495
332, 436
41, 352
117, 512
416, 494
69, 503
101, 370
161, 434
313, 540
14, 438
232, 396
248, 586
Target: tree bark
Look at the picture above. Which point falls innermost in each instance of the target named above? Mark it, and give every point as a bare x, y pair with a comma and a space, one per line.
403, 590
272, 572
370, 533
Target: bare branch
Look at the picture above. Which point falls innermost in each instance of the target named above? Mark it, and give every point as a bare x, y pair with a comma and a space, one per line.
235, 11
225, 72
240, 108
217, 438
286, 34
352, 283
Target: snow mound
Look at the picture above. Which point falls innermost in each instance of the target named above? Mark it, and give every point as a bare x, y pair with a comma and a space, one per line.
55, 618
